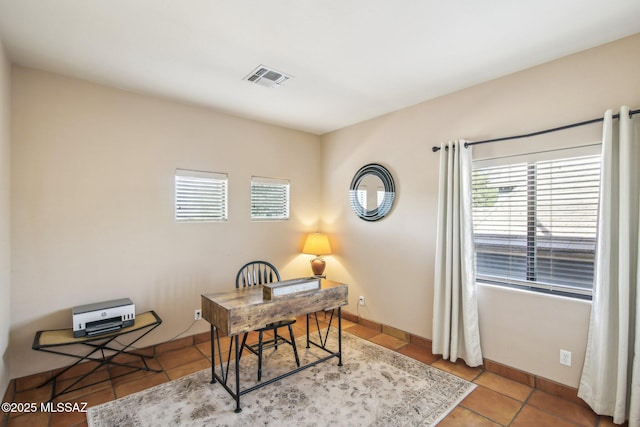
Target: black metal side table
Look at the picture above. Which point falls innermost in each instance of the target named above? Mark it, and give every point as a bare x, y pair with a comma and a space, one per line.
55, 340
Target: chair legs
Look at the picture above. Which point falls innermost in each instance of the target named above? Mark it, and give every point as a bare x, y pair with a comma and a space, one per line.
260, 347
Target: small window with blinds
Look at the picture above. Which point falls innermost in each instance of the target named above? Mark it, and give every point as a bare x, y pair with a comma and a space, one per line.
200, 196
269, 199
535, 223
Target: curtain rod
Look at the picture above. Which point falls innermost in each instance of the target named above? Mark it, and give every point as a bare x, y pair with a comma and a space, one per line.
527, 135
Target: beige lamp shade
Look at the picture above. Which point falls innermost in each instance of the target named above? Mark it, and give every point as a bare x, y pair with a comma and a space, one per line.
317, 244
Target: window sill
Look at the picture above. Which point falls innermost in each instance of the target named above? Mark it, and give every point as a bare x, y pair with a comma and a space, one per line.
531, 294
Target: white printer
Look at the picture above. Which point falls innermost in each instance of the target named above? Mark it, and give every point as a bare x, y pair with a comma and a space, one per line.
103, 317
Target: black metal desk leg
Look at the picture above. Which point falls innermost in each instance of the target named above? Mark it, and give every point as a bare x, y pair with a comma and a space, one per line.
213, 356
340, 336
238, 408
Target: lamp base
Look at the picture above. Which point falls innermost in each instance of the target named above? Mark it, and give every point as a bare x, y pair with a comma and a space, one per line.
317, 266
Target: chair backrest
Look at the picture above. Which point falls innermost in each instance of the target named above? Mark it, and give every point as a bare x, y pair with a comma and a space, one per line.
257, 273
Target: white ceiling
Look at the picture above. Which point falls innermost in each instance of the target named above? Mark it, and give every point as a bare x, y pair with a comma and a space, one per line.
351, 59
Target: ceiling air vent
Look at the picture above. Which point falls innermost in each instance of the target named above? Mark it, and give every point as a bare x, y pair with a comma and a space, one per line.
265, 76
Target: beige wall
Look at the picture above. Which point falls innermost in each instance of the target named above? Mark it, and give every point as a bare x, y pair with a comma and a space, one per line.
390, 262
92, 198
92, 204
5, 253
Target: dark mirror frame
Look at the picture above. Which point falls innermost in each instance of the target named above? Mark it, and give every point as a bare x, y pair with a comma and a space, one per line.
389, 192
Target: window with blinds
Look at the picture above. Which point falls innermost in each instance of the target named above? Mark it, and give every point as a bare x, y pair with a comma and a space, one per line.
535, 223
269, 198
200, 196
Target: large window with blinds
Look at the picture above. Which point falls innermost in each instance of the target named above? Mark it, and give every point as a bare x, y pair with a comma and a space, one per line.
200, 196
535, 220
269, 198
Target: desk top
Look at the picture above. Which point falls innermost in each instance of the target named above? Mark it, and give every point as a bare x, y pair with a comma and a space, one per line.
55, 337
244, 309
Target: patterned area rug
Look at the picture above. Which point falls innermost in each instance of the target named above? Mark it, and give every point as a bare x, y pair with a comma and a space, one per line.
374, 387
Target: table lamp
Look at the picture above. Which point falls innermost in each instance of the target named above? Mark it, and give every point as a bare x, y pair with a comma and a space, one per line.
317, 244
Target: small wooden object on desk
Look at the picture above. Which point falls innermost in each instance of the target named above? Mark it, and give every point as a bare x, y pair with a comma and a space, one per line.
287, 287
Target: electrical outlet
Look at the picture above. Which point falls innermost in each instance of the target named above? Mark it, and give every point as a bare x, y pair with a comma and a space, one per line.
565, 357
197, 315
361, 300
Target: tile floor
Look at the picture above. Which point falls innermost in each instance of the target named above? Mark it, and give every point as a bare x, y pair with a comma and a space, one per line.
497, 401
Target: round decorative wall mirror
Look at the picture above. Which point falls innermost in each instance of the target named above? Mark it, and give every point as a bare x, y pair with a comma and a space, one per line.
372, 192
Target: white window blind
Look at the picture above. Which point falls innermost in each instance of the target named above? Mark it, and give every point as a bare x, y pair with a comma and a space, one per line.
535, 223
200, 196
269, 198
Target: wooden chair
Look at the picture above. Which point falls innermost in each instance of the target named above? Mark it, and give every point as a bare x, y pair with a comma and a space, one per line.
257, 273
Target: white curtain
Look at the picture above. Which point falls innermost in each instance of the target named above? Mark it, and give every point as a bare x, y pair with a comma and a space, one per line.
610, 381
456, 333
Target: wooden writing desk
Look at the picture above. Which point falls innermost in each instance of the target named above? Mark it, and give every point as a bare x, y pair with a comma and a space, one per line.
243, 310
